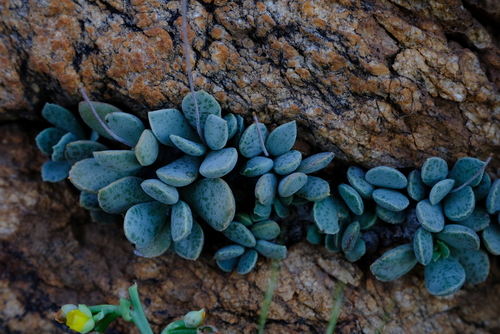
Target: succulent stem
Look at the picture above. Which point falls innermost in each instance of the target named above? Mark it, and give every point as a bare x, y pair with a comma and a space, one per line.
474, 177
261, 139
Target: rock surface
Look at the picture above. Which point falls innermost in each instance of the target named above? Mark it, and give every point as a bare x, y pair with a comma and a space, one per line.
378, 82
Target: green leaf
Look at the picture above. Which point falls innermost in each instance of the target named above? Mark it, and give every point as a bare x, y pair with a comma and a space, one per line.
444, 276
290, 184
160, 191
190, 247
423, 246
212, 200
416, 187
232, 125
229, 252
55, 171
228, 265
478, 220
82, 149
143, 222
262, 211
282, 139
314, 236
367, 219
390, 199
63, 119
101, 217
49, 137
247, 262
491, 239
125, 126
181, 172
249, 144
356, 178
287, 162
459, 205
493, 199
326, 216
166, 122
216, 132
102, 110
89, 201
394, 263
440, 190
270, 250
59, 149
147, 148
391, 217
117, 160
351, 198
459, 236
483, 188
243, 218
430, 216
240, 234
265, 230
89, 176
257, 166
434, 170
181, 221
219, 163
265, 189
357, 252
240, 128
315, 162
206, 105
188, 146
350, 237
122, 194
464, 169
315, 189
160, 244
476, 265
386, 177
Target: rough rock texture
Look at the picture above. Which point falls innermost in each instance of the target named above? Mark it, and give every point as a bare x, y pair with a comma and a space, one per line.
51, 254
376, 81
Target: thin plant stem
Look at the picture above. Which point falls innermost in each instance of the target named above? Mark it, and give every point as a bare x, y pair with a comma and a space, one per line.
269, 295
105, 127
138, 315
188, 66
474, 177
261, 139
338, 295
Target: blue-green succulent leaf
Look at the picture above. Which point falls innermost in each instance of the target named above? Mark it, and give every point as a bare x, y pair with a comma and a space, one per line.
493, 199
290, 184
55, 171
476, 265
232, 125
491, 239
160, 191
240, 128
117, 160
282, 138
49, 137
444, 276
59, 149
460, 237
357, 252
339, 203
257, 166
63, 119
212, 200
243, 218
102, 110
188, 146
391, 217
89, 176
478, 220
219, 163
431, 217
315, 162
216, 132
257, 218
181, 172
82, 149
314, 236
265, 189
125, 126
326, 216
191, 246
143, 222
206, 105
89, 201
394, 263
464, 169
266, 230
333, 242
483, 188
240, 234
416, 187
94, 136
390, 199
315, 189
270, 250
356, 178
286, 200
160, 244
423, 246
280, 209
249, 144
147, 148
247, 262
228, 265
440, 190
166, 122
367, 219
287, 162
351, 198
181, 221
434, 170
459, 205
350, 237
386, 177
229, 252
122, 194
262, 211
101, 217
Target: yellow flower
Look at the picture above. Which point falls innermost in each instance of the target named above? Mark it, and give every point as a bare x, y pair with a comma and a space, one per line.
80, 319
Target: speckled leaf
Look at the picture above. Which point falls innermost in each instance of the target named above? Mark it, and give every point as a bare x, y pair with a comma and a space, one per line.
333, 242
102, 110
249, 144
181, 172
326, 216
240, 128
315, 189
232, 125
390, 199
59, 149
431, 217
257, 166
101, 217
247, 262
357, 252
89, 176
49, 137
82, 149
206, 105
143, 222
262, 211
287, 163
166, 122
299, 200
444, 276
55, 171
229, 252
89, 201
147, 148
160, 191
282, 138
243, 218
478, 220
290, 184
181, 221
266, 230
122, 194
216, 132
219, 163
238, 233
351, 198
286, 200
257, 218
350, 237
280, 209
386, 177
476, 265
416, 188
270, 250
117, 160
493, 199
63, 119
212, 200
265, 189
125, 126
367, 219
440, 190
314, 236
434, 170
228, 265
315, 162
464, 169
483, 188
423, 246
188, 146
159, 245
356, 178
191, 246
491, 239
339, 203
459, 236
459, 205
394, 263
391, 217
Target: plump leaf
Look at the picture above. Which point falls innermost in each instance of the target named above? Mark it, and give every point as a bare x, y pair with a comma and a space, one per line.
166, 122
350, 237
431, 217
232, 125
143, 222
101, 217
265, 189
262, 211
367, 219
266, 230
216, 132
117, 160
249, 144
82, 149
434, 170
282, 139
49, 137
270, 250
206, 105
240, 128
181, 221
315, 189
247, 262
478, 220
483, 188
390, 199
440, 190
326, 217
59, 149
356, 178
219, 163
423, 246
89, 176
55, 171
493, 199
459, 205
89, 201
160, 191
257, 166
188, 146
357, 252
147, 148
190, 247
181, 172
122, 194
159, 245
464, 169
243, 218
240, 234
212, 200
228, 265
290, 184
63, 119
459, 236
125, 126
102, 110
315, 162
351, 198
416, 187
280, 209
229, 252
444, 276
391, 217
386, 177
287, 163
476, 265
314, 236
394, 263
491, 239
